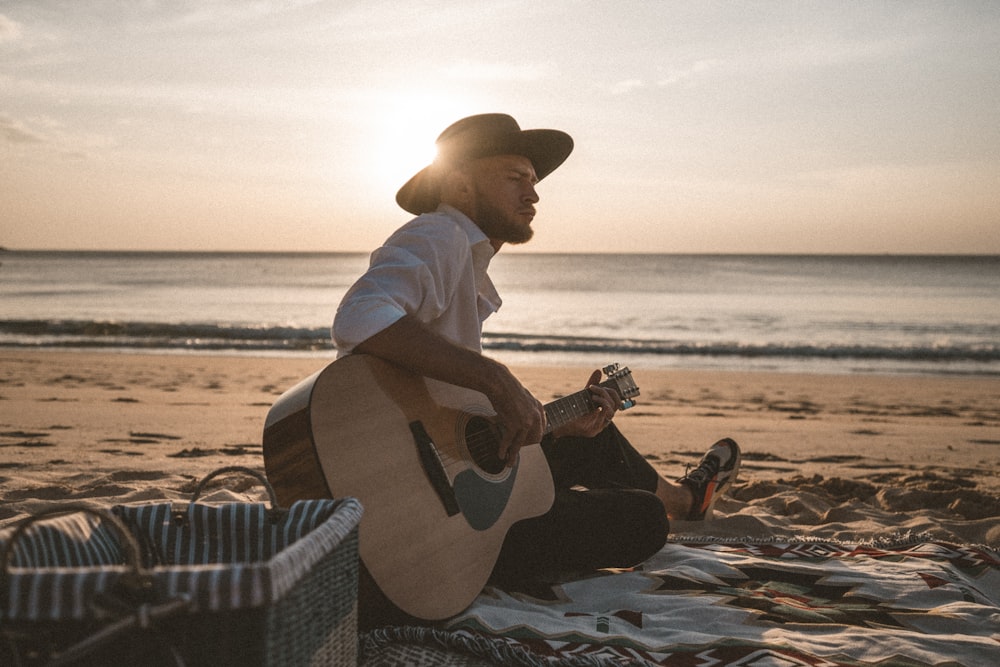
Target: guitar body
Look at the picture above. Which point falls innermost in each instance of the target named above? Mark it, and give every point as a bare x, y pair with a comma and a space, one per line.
420, 456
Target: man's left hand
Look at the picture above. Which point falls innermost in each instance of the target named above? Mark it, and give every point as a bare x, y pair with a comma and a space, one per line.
606, 403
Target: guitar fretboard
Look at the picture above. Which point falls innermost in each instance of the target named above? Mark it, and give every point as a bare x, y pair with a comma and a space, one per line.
564, 410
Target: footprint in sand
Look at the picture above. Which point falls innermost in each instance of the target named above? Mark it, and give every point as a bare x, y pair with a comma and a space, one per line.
154, 436
139, 476
26, 439
193, 453
102, 490
242, 450
142, 438
24, 434
52, 492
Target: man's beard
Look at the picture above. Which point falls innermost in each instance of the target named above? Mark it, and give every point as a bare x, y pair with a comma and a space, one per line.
498, 226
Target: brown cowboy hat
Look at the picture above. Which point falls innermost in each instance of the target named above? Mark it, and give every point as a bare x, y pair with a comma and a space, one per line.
481, 136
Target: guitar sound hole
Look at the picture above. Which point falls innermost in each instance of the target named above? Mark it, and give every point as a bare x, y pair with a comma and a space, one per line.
482, 440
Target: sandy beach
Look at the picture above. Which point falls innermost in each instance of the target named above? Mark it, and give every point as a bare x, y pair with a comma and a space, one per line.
853, 457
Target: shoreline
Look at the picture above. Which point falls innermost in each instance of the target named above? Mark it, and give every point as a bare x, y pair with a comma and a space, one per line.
824, 454
649, 362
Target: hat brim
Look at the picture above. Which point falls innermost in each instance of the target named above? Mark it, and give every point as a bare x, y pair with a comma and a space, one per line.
547, 149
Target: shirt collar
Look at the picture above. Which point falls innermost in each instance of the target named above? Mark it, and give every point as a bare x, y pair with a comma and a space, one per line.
482, 253
472, 230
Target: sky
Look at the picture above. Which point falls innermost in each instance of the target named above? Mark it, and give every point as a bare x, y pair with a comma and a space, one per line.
700, 127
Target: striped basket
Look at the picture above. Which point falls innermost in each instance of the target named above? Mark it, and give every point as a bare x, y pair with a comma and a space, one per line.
196, 584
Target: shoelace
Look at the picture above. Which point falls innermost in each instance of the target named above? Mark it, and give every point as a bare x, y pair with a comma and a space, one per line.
707, 469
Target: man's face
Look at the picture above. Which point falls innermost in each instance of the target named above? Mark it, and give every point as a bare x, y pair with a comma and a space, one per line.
505, 197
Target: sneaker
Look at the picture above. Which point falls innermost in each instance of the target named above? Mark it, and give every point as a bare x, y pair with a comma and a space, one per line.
712, 478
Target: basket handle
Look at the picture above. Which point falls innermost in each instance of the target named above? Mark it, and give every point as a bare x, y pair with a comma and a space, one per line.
137, 580
137, 584
259, 476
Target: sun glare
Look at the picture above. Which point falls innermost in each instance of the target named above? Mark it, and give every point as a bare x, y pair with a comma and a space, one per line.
404, 130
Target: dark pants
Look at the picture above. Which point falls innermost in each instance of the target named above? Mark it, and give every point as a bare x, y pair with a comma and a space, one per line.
605, 514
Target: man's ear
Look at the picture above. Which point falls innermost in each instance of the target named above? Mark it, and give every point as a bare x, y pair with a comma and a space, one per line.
457, 188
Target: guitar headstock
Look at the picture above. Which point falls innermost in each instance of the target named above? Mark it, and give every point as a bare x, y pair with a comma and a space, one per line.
620, 379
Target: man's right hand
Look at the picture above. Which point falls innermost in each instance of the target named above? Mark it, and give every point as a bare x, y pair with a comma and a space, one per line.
520, 415
410, 344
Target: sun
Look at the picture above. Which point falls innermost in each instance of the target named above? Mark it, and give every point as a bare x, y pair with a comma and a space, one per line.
404, 130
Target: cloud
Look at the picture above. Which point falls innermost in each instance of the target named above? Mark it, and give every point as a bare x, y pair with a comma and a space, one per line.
51, 140
627, 86
15, 132
695, 69
10, 30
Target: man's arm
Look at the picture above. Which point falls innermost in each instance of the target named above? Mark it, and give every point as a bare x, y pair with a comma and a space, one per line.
408, 343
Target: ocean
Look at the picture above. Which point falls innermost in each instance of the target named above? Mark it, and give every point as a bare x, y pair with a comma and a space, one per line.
830, 314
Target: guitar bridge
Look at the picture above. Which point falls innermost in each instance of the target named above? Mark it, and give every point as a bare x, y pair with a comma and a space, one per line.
432, 465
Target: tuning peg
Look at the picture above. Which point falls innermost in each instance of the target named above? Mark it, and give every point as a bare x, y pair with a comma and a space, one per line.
611, 370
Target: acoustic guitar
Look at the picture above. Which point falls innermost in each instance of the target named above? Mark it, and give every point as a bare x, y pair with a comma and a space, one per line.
421, 456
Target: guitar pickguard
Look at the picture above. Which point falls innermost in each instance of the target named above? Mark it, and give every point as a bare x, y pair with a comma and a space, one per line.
482, 500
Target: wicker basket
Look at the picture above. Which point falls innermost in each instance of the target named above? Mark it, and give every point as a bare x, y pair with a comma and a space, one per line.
197, 584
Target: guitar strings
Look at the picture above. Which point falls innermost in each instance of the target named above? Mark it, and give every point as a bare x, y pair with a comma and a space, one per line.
482, 439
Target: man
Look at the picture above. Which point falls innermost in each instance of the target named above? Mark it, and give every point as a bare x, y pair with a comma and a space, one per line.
421, 305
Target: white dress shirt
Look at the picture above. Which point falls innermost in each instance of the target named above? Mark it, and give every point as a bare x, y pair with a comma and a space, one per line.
434, 268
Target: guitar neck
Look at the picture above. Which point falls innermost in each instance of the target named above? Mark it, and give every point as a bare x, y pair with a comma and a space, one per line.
563, 410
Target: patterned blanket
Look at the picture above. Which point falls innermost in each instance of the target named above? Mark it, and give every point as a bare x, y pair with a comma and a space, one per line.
742, 603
